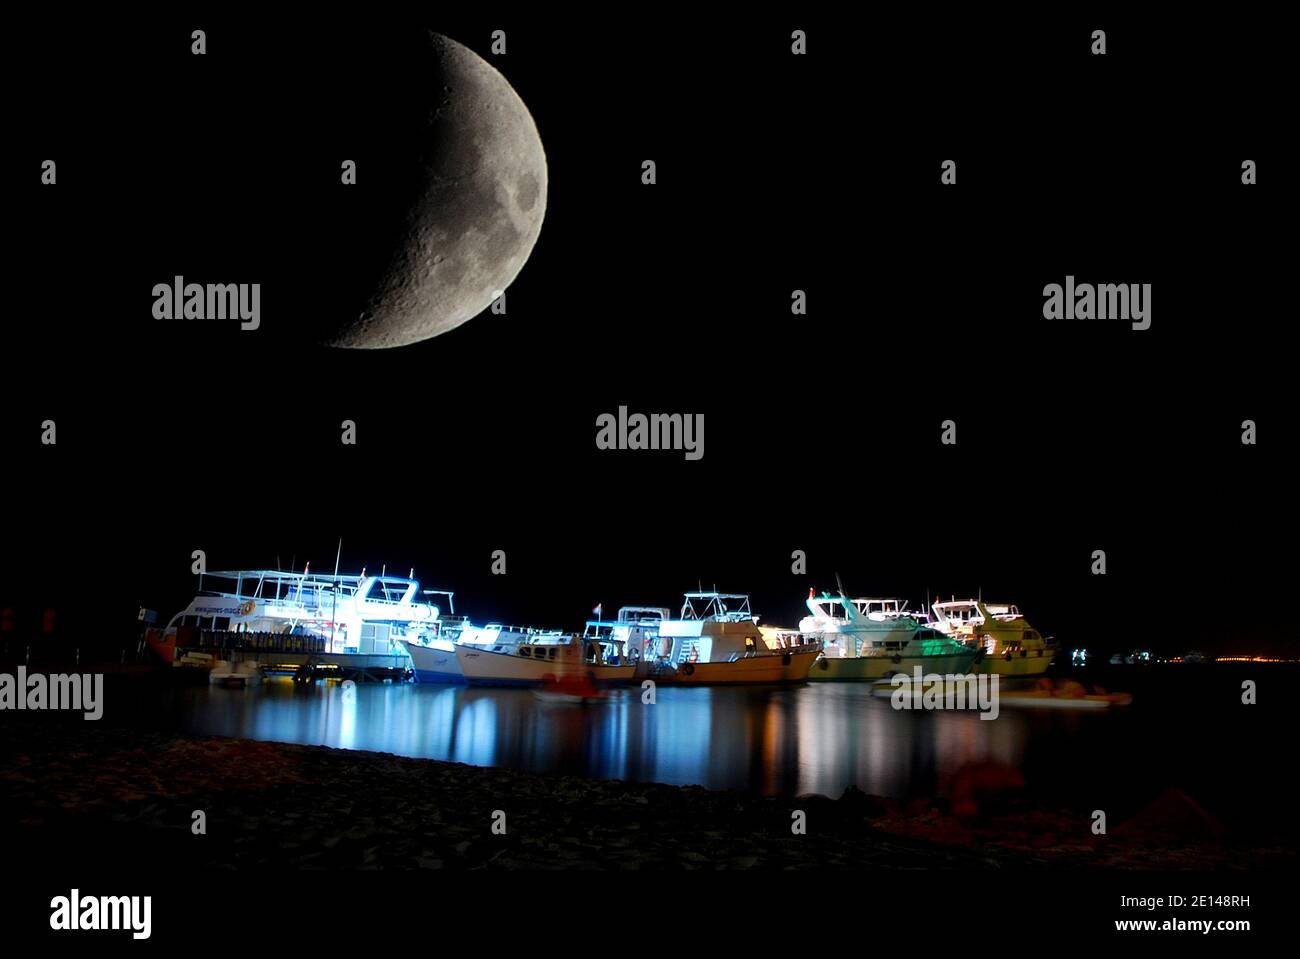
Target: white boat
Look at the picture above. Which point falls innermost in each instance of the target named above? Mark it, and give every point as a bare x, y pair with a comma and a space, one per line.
717, 641
545, 657
434, 659
636, 628
872, 638
1010, 645
279, 611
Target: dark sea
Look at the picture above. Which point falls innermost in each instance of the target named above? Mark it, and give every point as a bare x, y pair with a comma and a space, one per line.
1187, 729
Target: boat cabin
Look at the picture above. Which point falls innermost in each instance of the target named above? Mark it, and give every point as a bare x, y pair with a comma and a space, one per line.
713, 627
636, 629
570, 648
350, 614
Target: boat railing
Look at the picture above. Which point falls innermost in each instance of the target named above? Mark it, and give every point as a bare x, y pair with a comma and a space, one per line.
223, 639
792, 639
526, 630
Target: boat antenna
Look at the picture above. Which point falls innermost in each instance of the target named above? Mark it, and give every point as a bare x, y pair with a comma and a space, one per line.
839, 584
337, 556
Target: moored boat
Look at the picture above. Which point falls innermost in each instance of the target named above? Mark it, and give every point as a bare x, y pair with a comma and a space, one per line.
868, 639
434, 662
1010, 645
636, 629
717, 641
545, 658
294, 617
434, 659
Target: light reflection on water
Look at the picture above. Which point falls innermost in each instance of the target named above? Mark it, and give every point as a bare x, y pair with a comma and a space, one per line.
818, 738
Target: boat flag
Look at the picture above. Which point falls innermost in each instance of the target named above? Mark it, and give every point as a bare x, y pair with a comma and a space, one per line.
598, 609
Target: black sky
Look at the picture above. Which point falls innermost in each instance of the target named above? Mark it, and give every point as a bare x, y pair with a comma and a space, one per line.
775, 173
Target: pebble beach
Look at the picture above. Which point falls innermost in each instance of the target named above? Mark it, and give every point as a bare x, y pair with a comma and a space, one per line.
134, 794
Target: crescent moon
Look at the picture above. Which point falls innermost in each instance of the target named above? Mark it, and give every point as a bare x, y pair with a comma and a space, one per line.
478, 215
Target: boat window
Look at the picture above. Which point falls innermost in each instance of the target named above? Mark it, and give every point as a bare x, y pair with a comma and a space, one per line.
205, 622
222, 622
551, 652
525, 651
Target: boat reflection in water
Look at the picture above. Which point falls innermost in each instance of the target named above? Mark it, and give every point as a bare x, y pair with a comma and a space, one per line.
789, 740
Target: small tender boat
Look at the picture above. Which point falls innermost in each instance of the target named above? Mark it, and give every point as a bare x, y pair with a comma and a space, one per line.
1042, 695
1066, 694
238, 675
570, 689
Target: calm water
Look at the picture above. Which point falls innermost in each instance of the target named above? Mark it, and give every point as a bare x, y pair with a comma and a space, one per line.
818, 738
1187, 728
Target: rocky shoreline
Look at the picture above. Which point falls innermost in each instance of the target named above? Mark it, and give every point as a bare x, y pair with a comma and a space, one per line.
116, 792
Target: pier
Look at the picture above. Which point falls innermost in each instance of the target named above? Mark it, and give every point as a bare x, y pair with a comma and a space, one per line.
302, 657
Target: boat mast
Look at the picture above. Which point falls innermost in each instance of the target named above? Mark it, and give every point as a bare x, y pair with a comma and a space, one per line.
334, 612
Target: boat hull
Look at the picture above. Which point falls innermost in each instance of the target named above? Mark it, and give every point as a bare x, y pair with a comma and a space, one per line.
483, 667
865, 669
162, 644
434, 666
1035, 663
772, 669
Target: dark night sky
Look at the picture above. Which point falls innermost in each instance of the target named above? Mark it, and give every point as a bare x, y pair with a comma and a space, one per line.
775, 173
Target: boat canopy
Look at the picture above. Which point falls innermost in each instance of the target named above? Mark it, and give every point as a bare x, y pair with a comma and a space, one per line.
723, 607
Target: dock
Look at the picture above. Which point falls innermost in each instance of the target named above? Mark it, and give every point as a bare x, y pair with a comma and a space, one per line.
281, 654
